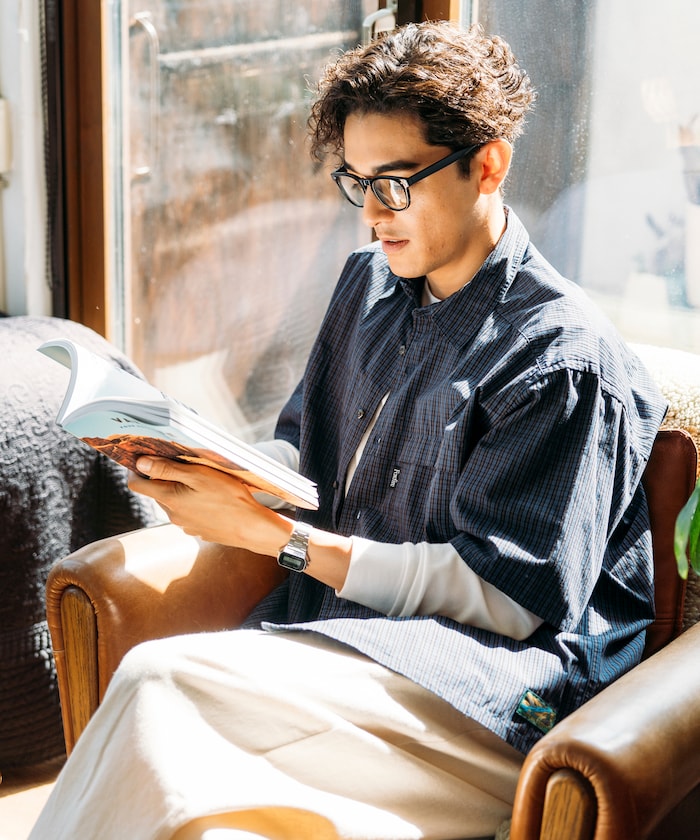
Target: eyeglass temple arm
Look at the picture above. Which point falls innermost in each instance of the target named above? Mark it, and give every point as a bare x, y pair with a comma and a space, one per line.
441, 164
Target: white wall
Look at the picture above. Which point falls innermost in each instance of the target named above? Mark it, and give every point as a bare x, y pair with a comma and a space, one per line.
645, 87
23, 284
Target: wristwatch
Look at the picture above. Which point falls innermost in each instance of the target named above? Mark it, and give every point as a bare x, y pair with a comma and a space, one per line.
293, 555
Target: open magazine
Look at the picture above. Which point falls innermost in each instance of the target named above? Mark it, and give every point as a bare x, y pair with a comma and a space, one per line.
124, 417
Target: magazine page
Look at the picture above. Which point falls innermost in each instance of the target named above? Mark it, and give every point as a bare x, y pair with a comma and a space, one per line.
93, 378
125, 439
124, 418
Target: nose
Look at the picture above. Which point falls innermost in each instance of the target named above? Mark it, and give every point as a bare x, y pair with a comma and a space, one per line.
374, 211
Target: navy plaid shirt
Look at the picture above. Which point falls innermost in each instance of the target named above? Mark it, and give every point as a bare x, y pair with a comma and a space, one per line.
517, 428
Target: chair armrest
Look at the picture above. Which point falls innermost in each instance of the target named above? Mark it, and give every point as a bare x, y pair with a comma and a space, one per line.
621, 762
110, 595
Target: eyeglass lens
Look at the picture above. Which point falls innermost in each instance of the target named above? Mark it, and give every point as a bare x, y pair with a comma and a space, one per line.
391, 193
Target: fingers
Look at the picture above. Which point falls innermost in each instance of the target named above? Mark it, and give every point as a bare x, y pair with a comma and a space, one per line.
173, 472
166, 480
160, 479
210, 503
160, 469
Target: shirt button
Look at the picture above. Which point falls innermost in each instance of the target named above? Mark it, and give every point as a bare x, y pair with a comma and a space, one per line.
402, 350
360, 413
336, 485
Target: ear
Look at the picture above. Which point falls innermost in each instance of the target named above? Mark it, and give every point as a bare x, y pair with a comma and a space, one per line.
495, 160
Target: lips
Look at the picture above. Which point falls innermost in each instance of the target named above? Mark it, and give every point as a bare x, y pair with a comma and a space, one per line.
391, 246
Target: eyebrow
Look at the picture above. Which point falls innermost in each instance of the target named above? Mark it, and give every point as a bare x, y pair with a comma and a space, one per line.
385, 167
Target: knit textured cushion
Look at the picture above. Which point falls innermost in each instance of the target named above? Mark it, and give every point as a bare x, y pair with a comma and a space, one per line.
677, 374
56, 494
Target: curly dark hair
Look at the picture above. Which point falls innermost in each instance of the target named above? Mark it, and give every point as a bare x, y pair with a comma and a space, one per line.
465, 87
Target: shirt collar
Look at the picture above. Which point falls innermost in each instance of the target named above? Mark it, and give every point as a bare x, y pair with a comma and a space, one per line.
461, 314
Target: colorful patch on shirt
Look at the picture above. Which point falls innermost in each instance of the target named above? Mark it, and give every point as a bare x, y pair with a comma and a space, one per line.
536, 711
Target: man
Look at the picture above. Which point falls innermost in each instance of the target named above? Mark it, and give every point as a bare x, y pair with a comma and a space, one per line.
480, 563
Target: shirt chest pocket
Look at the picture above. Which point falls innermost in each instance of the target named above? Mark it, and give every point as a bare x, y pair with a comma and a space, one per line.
424, 479
408, 495
437, 433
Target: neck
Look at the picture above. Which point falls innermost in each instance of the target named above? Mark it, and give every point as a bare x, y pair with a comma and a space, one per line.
485, 238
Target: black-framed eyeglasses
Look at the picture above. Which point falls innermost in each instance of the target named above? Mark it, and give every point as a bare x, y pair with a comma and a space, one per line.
391, 190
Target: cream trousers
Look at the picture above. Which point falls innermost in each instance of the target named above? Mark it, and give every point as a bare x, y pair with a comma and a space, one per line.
291, 736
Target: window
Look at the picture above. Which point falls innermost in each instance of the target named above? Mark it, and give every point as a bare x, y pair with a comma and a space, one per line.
226, 240
607, 175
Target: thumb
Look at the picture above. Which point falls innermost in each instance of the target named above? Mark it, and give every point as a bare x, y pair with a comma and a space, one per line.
144, 465
162, 469
165, 469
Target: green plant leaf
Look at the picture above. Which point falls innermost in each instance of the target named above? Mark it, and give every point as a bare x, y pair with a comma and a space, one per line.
687, 534
694, 539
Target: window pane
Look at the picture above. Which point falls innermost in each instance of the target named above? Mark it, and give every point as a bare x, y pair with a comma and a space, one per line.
233, 239
607, 175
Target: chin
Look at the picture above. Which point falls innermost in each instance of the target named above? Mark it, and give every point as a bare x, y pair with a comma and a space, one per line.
402, 268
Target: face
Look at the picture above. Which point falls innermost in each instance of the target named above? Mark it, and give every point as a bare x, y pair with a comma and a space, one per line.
442, 234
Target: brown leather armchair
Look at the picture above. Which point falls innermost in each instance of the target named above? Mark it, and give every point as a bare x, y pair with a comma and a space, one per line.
625, 765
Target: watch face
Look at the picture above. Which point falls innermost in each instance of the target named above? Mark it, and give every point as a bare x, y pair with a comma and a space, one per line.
291, 561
